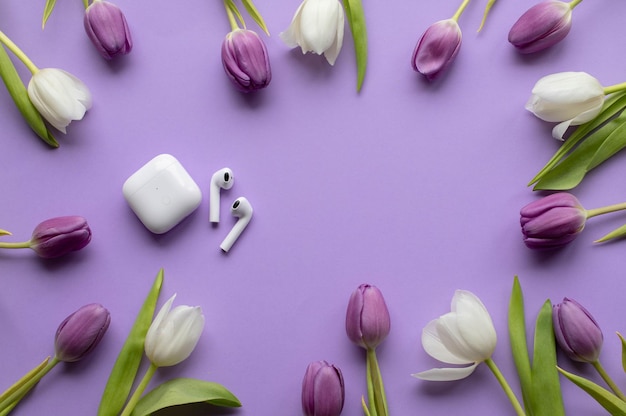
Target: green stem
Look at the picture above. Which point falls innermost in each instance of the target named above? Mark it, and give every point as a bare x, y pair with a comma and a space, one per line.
231, 17
614, 88
490, 4
608, 380
378, 399
574, 3
130, 406
22, 244
32, 373
17, 394
18, 52
460, 10
505, 386
86, 3
605, 210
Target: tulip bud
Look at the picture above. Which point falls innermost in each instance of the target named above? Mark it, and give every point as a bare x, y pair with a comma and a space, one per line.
437, 48
552, 221
59, 236
173, 335
246, 60
367, 317
81, 332
322, 390
543, 25
577, 333
106, 26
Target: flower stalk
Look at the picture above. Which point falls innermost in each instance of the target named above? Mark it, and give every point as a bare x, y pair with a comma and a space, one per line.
25, 384
460, 10
134, 399
608, 380
6, 41
505, 386
375, 387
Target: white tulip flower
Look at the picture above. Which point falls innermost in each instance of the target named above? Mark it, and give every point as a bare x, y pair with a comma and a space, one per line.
173, 335
464, 336
317, 26
59, 96
569, 98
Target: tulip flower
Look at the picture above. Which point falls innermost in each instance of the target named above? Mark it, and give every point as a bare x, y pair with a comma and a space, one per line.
580, 337
107, 29
246, 61
438, 46
465, 337
171, 338
56, 237
317, 26
569, 98
322, 390
542, 26
76, 337
367, 325
556, 220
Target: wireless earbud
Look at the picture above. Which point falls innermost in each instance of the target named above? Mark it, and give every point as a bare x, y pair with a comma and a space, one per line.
241, 209
222, 179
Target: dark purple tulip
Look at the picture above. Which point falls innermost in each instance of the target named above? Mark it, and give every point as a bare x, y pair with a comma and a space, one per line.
246, 61
543, 25
106, 26
81, 332
437, 48
59, 236
367, 317
577, 333
322, 390
552, 221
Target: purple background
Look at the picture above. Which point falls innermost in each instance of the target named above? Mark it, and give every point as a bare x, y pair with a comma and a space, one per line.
410, 186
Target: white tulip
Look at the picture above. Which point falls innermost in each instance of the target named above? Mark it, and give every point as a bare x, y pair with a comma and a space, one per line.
464, 336
317, 26
569, 98
173, 335
59, 96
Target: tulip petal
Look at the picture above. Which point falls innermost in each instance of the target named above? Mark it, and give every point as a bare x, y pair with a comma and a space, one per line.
290, 36
434, 347
475, 324
318, 24
332, 52
446, 374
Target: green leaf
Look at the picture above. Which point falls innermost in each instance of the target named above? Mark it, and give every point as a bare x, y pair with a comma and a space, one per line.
18, 92
356, 20
617, 233
125, 369
571, 171
256, 16
611, 145
547, 399
612, 106
519, 346
182, 391
623, 351
490, 4
605, 398
47, 11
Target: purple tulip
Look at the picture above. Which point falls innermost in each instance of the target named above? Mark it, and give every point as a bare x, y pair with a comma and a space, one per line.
577, 333
322, 390
59, 236
367, 317
81, 332
246, 60
437, 48
552, 221
542, 26
106, 26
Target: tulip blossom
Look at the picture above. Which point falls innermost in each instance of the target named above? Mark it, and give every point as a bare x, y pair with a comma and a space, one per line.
246, 61
107, 29
56, 237
322, 390
438, 46
75, 337
317, 26
542, 26
59, 96
580, 337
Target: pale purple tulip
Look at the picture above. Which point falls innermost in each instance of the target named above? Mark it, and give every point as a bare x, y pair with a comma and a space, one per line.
542, 26
246, 60
81, 332
323, 390
437, 48
552, 221
367, 318
107, 28
577, 333
59, 236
